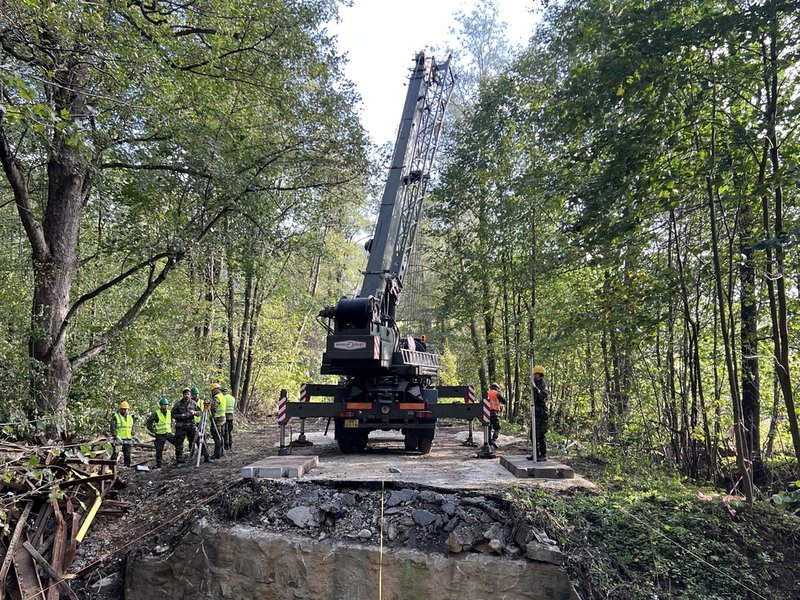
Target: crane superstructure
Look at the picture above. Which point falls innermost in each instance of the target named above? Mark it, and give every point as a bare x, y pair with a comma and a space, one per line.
386, 380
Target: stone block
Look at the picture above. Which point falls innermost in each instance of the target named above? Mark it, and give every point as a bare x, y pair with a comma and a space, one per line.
275, 467
544, 553
521, 467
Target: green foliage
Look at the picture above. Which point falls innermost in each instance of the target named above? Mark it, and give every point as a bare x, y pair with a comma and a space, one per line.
788, 500
239, 502
646, 533
224, 153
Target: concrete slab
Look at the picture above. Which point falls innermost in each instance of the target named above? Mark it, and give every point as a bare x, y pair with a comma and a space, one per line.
521, 467
274, 467
450, 465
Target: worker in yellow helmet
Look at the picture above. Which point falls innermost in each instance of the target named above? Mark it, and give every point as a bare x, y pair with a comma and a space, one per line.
230, 408
218, 404
540, 412
122, 432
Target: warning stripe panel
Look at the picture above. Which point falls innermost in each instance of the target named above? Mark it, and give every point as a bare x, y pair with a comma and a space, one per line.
358, 405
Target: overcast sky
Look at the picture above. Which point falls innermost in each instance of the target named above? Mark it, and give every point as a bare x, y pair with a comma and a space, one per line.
381, 38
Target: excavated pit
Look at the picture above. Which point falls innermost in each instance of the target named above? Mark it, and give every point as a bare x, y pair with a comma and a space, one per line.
310, 540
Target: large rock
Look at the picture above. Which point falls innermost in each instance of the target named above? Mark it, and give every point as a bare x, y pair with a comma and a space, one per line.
546, 553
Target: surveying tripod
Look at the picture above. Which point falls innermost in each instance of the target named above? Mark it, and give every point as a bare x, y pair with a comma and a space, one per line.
204, 419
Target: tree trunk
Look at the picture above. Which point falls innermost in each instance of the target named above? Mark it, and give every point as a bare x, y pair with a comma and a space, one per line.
54, 267
776, 283
751, 402
730, 363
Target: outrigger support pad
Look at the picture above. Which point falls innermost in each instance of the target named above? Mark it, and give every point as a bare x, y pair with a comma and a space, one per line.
486, 450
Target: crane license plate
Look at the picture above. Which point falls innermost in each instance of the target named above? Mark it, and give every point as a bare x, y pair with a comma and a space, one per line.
351, 423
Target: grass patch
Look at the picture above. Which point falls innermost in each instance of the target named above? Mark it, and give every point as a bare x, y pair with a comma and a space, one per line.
650, 534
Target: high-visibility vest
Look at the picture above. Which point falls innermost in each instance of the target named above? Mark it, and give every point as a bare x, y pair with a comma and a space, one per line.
219, 412
164, 424
124, 426
230, 404
198, 416
494, 401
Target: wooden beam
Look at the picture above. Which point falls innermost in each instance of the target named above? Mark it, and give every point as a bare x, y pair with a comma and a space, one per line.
54, 575
12, 545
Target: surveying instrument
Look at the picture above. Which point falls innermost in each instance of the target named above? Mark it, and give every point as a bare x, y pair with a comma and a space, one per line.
201, 437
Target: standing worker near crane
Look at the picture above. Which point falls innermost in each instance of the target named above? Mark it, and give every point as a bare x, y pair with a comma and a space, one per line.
539, 390
159, 423
218, 403
495, 400
122, 432
230, 408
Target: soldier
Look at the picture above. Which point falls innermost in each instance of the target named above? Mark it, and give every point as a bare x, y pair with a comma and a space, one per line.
230, 407
539, 389
183, 414
495, 400
122, 432
159, 423
218, 403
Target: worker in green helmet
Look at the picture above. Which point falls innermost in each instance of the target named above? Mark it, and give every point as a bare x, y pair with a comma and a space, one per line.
159, 423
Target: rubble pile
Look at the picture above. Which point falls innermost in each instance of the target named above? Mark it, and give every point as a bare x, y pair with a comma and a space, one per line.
420, 519
49, 497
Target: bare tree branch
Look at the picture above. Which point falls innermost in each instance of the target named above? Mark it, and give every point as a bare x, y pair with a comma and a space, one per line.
156, 167
129, 317
16, 179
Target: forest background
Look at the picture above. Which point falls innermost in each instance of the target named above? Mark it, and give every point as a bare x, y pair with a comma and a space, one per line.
187, 185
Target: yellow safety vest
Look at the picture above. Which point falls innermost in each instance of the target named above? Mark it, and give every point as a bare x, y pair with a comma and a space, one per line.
230, 405
198, 416
164, 424
219, 412
124, 426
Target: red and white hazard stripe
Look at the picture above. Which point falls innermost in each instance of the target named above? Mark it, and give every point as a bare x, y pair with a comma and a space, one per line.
470, 397
282, 417
303, 393
486, 411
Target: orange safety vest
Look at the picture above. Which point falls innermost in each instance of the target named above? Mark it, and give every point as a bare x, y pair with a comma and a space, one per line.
494, 401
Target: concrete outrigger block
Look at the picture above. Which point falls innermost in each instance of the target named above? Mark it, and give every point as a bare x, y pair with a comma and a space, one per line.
275, 467
522, 467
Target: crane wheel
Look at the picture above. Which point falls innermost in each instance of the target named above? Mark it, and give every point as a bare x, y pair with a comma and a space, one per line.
425, 446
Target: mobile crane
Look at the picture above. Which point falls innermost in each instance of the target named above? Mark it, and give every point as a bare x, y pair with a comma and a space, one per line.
386, 381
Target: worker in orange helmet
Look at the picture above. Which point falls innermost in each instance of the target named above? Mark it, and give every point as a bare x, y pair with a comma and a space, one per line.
495, 401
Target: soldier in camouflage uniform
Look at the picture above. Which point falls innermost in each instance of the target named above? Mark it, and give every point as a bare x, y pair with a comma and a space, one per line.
183, 414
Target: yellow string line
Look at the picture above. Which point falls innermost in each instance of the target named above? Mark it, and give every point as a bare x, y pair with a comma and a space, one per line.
380, 562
